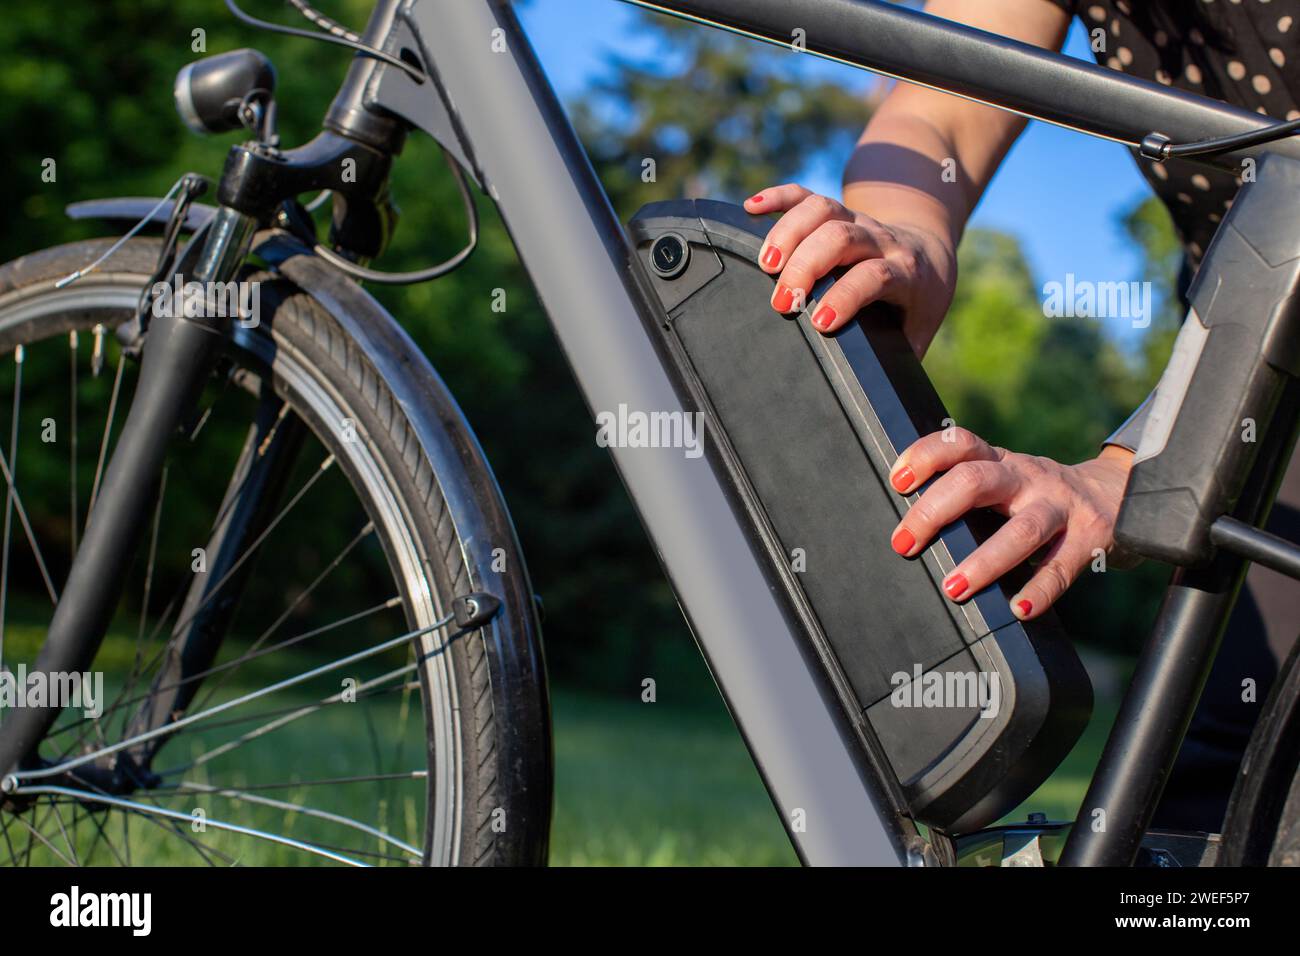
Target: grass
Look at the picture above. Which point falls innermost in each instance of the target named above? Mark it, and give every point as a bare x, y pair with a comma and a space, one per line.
645, 784
637, 784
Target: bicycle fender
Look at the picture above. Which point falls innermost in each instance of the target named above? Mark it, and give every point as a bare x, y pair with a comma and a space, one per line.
513, 634
129, 210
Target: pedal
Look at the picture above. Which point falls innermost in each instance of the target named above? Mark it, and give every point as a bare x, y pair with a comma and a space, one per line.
970, 707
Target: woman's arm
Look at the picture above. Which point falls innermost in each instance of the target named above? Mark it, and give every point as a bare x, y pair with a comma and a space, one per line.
918, 171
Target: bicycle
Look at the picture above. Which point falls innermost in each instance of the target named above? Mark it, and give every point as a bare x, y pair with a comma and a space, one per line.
333, 393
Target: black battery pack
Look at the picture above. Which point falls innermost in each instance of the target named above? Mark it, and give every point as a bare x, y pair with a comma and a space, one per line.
971, 708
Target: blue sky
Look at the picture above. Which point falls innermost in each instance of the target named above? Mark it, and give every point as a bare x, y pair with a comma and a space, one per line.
1060, 192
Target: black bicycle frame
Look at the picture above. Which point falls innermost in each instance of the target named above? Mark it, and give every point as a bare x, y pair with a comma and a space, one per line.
488, 102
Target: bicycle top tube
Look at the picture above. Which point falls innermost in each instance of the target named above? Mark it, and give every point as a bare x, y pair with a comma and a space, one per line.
1018, 77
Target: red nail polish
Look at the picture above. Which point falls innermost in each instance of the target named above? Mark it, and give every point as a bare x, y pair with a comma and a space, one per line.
824, 317
903, 541
956, 586
756, 200
772, 258
783, 299
903, 479
1025, 607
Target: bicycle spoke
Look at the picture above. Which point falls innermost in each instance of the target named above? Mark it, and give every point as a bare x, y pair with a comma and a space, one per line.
253, 546
326, 782
148, 588
9, 498
37, 834
239, 794
361, 655
108, 422
72, 449
21, 511
58, 817
277, 724
227, 667
145, 808
303, 596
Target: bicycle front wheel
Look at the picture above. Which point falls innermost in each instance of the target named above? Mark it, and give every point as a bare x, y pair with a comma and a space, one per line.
282, 682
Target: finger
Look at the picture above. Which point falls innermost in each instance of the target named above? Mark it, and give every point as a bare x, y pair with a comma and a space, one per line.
836, 243
936, 452
867, 282
1009, 547
969, 484
1053, 576
776, 199
796, 226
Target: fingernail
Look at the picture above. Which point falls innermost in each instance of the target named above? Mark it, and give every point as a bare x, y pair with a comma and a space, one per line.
756, 200
772, 258
956, 586
903, 541
902, 479
783, 298
1025, 607
824, 317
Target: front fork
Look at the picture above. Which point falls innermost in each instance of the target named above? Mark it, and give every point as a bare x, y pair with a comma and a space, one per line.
179, 355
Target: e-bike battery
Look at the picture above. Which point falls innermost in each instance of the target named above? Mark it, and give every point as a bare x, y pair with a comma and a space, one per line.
971, 707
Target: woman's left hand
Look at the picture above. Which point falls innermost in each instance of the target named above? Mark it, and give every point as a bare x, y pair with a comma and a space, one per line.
1072, 508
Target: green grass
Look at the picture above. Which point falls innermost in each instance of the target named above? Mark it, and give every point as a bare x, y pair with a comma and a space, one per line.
649, 784
637, 784
646, 784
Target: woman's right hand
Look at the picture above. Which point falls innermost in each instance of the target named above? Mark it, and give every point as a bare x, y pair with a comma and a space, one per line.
908, 266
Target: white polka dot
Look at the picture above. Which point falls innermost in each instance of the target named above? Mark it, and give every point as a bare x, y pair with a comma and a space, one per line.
1196, 36
1201, 183
1126, 56
1160, 172
1236, 69
1161, 38
1196, 249
1284, 24
1097, 13
1293, 115
1261, 83
1162, 76
1193, 73
1114, 63
1214, 217
1114, 27
1185, 199
1277, 56
1123, 7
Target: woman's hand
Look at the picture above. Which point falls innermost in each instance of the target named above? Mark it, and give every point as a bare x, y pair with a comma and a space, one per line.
1071, 507
908, 266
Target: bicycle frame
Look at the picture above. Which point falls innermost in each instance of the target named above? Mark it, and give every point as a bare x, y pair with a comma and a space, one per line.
491, 106
510, 127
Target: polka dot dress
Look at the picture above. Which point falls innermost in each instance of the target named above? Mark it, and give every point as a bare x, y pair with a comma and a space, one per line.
1244, 52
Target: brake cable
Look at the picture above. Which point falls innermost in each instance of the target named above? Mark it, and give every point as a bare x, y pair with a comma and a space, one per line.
338, 36
1158, 147
423, 275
